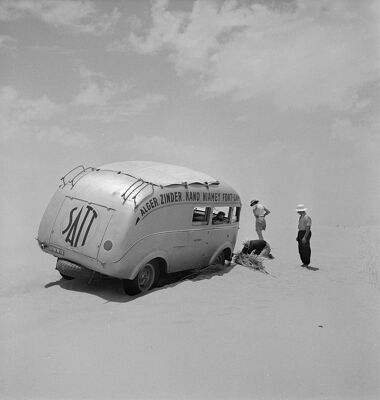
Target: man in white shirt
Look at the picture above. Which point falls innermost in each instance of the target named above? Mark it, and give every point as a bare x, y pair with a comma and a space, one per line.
260, 212
304, 235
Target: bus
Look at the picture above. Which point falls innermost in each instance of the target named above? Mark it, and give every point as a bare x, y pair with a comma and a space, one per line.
139, 220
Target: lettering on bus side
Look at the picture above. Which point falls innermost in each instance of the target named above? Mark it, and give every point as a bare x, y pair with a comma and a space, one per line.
187, 196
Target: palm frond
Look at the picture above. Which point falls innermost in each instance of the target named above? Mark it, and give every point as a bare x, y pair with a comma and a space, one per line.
251, 261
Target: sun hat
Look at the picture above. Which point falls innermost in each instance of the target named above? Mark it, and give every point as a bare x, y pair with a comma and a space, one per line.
253, 202
301, 207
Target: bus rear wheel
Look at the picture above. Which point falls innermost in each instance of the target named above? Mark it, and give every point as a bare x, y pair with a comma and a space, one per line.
220, 260
145, 280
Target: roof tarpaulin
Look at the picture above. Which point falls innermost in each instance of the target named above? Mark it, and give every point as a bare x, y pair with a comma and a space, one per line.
160, 173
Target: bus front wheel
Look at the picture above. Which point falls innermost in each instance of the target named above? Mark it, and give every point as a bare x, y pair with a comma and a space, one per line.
145, 280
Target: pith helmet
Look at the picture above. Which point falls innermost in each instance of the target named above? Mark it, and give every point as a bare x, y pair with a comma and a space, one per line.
301, 207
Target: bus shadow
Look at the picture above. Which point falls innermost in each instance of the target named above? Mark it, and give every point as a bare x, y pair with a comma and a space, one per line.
111, 289
108, 288
174, 279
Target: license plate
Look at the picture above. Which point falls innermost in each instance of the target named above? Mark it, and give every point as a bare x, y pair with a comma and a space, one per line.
56, 250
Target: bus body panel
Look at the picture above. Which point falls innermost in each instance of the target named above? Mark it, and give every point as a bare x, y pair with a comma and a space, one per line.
80, 226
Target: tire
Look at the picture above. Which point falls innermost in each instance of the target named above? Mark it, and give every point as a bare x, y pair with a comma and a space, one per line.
66, 277
220, 260
145, 280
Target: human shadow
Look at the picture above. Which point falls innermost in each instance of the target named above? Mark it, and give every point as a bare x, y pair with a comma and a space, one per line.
111, 289
312, 268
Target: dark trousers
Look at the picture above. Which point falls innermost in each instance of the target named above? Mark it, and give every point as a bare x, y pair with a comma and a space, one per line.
304, 248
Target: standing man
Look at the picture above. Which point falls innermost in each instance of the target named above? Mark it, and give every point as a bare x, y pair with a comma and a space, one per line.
260, 212
304, 235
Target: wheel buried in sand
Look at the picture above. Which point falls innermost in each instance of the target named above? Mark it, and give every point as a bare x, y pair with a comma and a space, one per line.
145, 280
220, 260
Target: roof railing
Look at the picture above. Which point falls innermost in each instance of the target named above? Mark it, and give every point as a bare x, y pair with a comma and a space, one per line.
75, 178
132, 188
134, 197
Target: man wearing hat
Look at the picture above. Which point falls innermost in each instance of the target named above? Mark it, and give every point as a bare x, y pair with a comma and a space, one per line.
304, 235
260, 212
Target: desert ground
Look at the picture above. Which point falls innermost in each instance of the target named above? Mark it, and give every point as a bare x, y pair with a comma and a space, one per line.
234, 333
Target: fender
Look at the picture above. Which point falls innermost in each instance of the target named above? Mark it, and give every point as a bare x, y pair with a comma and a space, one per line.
222, 247
154, 254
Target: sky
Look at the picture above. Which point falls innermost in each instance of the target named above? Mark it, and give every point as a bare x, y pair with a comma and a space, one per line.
280, 99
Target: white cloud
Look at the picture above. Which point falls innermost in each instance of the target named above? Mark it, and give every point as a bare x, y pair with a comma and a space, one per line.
7, 42
123, 45
361, 123
160, 148
16, 110
311, 55
124, 109
78, 16
165, 30
23, 117
345, 130
142, 103
62, 136
92, 94
86, 73
20, 116
107, 101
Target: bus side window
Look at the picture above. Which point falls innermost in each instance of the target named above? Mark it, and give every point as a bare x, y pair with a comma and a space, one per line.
201, 215
220, 215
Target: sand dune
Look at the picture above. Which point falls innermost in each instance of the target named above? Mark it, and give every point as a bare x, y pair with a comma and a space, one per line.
229, 334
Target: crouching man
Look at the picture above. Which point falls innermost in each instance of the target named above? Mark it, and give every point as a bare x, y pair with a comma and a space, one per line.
259, 247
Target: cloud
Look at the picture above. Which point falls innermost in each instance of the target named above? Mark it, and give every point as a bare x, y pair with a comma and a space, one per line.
164, 149
17, 112
24, 117
7, 43
165, 30
345, 130
123, 45
309, 55
124, 109
360, 125
93, 94
53, 50
106, 101
142, 103
62, 136
86, 73
77, 16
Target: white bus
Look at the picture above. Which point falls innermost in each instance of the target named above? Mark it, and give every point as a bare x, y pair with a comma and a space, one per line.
135, 220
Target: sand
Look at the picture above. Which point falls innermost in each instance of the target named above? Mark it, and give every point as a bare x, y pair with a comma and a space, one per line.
236, 334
